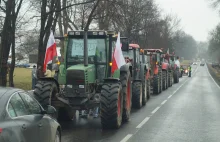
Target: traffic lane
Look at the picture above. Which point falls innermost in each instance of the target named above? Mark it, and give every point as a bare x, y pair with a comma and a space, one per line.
90, 130
192, 114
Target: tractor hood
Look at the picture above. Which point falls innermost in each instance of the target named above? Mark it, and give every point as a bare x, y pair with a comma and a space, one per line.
80, 74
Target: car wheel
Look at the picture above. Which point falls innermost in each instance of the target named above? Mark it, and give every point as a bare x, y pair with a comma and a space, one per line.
57, 137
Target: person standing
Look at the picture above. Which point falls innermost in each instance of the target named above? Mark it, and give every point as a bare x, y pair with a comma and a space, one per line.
34, 77
190, 71
48, 72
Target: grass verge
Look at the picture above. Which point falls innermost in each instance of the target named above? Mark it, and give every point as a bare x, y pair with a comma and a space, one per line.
215, 73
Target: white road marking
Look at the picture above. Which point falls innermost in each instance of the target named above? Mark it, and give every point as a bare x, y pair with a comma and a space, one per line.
170, 96
143, 122
126, 138
155, 110
212, 77
163, 102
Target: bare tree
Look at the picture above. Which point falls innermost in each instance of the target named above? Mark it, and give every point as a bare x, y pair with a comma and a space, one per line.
11, 9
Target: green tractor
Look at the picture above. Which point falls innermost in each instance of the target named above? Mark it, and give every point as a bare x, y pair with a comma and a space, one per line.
85, 80
140, 86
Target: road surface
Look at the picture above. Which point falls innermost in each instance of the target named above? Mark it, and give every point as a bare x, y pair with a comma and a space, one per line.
188, 111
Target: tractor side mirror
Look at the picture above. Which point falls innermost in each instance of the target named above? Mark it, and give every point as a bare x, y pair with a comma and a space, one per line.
125, 46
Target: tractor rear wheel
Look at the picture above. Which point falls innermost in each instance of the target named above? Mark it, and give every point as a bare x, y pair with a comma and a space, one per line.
111, 105
137, 95
156, 85
127, 95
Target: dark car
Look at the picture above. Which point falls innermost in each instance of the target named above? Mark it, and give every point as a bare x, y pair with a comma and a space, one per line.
22, 118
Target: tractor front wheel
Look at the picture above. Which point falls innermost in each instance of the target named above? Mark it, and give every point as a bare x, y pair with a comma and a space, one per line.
156, 85
45, 93
127, 95
145, 89
164, 73
176, 77
170, 79
111, 105
137, 95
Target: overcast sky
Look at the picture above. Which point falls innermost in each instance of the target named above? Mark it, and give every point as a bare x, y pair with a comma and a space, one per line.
197, 16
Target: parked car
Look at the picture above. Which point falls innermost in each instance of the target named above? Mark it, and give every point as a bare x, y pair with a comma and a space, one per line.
22, 118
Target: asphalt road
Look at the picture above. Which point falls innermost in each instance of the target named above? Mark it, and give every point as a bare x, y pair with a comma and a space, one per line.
188, 111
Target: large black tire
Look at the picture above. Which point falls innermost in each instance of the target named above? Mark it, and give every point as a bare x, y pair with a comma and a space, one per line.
148, 89
156, 85
145, 89
111, 107
176, 76
160, 81
45, 92
137, 95
170, 79
127, 95
164, 80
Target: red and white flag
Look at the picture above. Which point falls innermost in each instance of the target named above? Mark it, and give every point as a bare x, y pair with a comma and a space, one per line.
51, 51
118, 58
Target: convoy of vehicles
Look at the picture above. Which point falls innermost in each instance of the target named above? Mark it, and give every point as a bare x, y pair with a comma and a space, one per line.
85, 80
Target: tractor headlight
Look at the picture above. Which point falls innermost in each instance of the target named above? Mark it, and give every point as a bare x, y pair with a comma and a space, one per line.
81, 86
69, 86
110, 64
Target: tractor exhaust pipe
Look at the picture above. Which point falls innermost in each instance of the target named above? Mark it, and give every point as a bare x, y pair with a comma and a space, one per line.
85, 48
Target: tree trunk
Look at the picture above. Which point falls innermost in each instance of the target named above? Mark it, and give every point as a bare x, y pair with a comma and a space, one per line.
6, 43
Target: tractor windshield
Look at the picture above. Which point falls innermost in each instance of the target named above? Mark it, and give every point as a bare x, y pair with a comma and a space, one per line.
129, 54
96, 48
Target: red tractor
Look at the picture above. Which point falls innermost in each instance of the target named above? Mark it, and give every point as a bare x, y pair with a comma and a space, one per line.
174, 68
167, 75
156, 73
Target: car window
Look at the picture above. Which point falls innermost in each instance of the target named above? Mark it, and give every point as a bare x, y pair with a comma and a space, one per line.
32, 104
18, 105
11, 111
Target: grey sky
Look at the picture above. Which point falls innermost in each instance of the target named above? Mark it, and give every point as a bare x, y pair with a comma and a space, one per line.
197, 16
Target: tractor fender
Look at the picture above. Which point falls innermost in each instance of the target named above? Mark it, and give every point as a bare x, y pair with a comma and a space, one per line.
124, 68
52, 80
111, 80
165, 66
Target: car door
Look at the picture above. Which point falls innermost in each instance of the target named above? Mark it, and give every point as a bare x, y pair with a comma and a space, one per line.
42, 121
24, 119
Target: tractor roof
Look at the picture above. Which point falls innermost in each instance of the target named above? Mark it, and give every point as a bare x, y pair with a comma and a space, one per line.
135, 46
154, 50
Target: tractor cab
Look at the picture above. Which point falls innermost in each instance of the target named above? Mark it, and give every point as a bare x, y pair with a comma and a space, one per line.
155, 56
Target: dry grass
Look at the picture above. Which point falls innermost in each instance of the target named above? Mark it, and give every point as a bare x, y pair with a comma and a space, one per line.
215, 70
23, 78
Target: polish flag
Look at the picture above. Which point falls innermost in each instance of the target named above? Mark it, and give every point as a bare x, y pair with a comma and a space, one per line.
51, 51
118, 58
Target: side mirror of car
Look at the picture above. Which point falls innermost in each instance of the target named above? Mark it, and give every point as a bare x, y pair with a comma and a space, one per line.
51, 110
